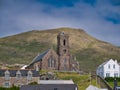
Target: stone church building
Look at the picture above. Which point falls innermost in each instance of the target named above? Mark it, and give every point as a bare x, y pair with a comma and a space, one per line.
62, 60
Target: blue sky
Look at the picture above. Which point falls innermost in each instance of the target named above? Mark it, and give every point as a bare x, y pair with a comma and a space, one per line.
99, 18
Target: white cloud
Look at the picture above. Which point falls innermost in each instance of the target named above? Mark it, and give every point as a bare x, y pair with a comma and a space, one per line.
22, 16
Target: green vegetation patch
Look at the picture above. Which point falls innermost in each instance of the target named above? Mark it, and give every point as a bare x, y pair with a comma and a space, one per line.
83, 81
110, 81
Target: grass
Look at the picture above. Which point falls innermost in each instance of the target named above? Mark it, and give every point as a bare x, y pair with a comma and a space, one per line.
83, 81
90, 52
110, 81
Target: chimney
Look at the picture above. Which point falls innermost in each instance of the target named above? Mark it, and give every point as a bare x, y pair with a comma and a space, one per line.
115, 61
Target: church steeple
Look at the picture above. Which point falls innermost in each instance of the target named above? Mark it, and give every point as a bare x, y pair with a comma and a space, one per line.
63, 51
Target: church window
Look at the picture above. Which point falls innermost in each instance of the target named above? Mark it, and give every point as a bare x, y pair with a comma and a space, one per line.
64, 51
65, 61
64, 42
65, 67
51, 62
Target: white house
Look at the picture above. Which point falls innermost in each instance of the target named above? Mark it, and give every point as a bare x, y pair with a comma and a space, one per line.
110, 68
91, 87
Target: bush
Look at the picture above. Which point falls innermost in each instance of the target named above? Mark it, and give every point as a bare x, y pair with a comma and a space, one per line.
111, 79
33, 83
12, 88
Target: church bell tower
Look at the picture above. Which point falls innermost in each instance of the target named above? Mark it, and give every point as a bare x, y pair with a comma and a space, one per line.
63, 51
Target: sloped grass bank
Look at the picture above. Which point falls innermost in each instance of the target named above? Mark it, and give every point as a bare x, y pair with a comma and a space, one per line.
83, 81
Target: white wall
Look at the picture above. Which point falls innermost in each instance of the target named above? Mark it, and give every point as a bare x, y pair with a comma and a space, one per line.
109, 69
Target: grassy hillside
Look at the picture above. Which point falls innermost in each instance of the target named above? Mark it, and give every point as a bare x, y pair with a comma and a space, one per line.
82, 81
90, 52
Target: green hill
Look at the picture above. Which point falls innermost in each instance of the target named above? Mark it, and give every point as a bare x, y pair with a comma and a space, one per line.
90, 52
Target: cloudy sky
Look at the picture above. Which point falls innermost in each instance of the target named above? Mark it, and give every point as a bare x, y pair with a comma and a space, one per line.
99, 18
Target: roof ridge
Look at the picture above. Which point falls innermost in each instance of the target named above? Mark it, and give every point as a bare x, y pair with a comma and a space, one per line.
39, 56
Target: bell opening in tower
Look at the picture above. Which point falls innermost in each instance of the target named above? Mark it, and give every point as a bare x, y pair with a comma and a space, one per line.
64, 42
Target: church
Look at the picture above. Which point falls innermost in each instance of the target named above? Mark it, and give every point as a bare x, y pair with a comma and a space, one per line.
61, 60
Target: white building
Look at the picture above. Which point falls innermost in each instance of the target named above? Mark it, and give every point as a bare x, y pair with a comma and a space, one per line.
55, 82
91, 87
109, 68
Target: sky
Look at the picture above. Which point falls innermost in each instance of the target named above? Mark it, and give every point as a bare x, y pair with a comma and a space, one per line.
99, 18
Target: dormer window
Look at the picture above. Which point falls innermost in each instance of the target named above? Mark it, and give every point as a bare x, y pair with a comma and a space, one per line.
7, 75
29, 77
18, 75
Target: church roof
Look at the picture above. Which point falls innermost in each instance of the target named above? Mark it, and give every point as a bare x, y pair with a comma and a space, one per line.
39, 56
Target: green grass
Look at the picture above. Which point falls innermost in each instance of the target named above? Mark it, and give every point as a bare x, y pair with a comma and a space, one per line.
12, 88
110, 81
90, 52
83, 81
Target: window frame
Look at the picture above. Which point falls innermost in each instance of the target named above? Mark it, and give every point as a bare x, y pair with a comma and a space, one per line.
7, 84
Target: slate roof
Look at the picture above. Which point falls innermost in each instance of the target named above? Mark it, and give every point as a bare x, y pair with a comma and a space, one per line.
105, 63
50, 87
39, 57
23, 72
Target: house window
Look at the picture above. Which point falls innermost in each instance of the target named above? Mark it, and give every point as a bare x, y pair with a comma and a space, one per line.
18, 75
7, 75
109, 66
114, 66
7, 84
29, 77
55, 89
115, 74
107, 74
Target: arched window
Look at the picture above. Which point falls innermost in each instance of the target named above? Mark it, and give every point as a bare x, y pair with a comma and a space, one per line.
65, 66
51, 62
64, 42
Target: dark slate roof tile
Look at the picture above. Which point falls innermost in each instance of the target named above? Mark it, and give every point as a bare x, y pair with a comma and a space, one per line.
39, 57
50, 87
23, 72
